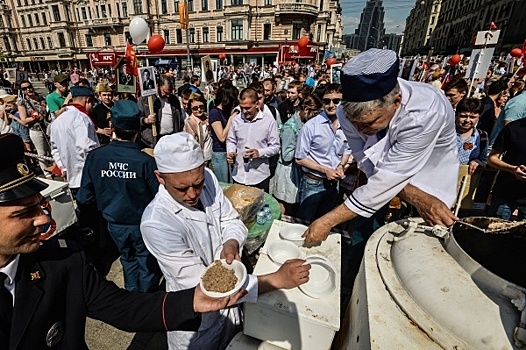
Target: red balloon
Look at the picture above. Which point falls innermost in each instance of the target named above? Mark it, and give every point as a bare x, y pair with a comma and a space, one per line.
222, 56
156, 43
455, 59
331, 61
303, 42
516, 52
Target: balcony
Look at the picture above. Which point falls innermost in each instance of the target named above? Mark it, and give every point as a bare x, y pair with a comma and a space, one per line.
237, 10
296, 9
103, 22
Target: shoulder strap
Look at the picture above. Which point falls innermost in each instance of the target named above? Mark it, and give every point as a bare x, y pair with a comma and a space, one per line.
483, 138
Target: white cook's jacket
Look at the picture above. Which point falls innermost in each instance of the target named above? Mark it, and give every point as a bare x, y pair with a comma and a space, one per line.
419, 149
73, 135
186, 240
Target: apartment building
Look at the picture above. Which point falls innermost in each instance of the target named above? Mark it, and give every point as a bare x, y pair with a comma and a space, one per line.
43, 34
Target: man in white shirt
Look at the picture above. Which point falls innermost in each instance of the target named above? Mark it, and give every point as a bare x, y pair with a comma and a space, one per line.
188, 225
73, 135
402, 135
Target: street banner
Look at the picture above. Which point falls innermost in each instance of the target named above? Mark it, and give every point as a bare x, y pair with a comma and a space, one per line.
99, 59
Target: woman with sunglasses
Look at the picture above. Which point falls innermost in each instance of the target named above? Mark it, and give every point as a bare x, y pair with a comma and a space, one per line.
288, 173
197, 125
33, 113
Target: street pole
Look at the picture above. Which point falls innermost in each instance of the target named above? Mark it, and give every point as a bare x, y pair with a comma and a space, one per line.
187, 21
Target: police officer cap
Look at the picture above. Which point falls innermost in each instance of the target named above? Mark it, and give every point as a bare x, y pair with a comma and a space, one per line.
16, 182
370, 75
77, 91
177, 153
125, 115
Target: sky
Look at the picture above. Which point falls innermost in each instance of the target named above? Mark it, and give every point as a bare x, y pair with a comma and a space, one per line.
396, 12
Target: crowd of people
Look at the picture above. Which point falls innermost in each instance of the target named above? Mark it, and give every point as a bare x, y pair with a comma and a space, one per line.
330, 153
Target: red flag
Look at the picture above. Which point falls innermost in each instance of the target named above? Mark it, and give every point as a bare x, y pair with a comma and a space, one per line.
493, 26
131, 60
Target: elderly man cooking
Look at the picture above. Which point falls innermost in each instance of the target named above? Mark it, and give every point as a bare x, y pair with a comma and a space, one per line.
402, 135
188, 225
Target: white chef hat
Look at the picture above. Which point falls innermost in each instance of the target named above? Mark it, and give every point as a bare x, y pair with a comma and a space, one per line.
177, 153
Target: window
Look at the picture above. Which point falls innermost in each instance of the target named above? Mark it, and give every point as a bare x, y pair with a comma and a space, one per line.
28, 42
118, 10
103, 11
179, 36
137, 6
44, 19
97, 10
1, 22
19, 3
268, 2
164, 6
190, 5
42, 43
237, 29
61, 40
84, 15
89, 40
30, 20
318, 35
107, 39
219, 4
205, 35
7, 44
23, 21
321, 5
56, 13
296, 30
49, 42
35, 43
124, 9
192, 35
237, 2
432, 20
176, 6
166, 33
219, 35
37, 20
204, 5
267, 29
66, 10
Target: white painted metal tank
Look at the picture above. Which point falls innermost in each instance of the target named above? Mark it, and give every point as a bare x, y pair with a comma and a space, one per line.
418, 291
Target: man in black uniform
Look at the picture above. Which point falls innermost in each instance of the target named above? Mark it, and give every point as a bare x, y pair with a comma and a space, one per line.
102, 112
48, 288
121, 180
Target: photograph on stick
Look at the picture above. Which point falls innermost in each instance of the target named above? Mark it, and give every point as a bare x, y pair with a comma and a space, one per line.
125, 81
147, 81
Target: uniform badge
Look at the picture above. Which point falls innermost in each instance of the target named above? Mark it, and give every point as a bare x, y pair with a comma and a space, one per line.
22, 169
34, 275
55, 333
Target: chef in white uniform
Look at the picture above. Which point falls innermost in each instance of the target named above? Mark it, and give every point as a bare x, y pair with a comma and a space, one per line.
402, 135
188, 225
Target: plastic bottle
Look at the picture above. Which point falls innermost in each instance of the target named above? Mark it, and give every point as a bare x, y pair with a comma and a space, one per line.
261, 217
268, 212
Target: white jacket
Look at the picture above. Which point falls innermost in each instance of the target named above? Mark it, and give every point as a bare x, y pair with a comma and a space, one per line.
73, 135
419, 149
186, 240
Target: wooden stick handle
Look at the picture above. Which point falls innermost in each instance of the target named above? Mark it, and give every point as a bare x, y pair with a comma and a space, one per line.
154, 126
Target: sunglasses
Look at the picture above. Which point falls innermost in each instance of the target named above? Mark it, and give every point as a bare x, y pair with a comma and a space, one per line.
26, 87
196, 108
327, 101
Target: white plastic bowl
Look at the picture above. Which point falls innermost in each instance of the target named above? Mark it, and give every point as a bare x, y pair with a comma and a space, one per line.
281, 251
293, 233
239, 270
322, 279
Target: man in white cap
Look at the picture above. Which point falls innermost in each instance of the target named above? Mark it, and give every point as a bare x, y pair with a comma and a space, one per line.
188, 225
402, 135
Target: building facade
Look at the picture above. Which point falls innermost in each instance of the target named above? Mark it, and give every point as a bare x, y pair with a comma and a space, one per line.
371, 27
44, 34
420, 25
459, 21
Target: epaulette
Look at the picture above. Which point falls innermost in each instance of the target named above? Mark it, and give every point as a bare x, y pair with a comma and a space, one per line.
54, 243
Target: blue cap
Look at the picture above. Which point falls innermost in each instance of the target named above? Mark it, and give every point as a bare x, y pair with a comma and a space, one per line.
370, 75
125, 115
77, 91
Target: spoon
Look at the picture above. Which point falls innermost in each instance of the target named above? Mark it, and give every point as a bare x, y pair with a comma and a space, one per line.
470, 225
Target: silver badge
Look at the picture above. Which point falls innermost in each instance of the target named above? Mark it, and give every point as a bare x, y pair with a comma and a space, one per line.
55, 333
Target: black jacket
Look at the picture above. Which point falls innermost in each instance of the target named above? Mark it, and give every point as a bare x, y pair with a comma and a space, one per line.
56, 289
146, 129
